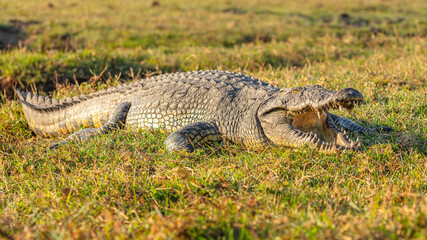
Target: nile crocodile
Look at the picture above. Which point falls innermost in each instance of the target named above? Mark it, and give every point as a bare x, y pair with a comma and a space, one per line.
200, 107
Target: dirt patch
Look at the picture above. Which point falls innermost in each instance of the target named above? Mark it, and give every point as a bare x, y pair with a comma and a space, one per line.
347, 20
13, 33
6, 85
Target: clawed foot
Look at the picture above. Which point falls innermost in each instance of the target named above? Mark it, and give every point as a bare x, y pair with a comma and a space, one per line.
376, 130
383, 129
55, 146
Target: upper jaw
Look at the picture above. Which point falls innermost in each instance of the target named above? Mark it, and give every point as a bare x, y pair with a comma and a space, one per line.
346, 99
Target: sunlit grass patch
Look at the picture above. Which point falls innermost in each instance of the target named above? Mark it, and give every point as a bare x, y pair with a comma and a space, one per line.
126, 185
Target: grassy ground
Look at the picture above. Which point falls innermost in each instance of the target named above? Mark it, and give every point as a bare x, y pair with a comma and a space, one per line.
126, 185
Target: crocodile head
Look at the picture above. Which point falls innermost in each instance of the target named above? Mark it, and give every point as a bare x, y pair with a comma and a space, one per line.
295, 117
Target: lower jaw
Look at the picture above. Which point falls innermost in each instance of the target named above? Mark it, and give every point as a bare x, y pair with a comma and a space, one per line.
338, 139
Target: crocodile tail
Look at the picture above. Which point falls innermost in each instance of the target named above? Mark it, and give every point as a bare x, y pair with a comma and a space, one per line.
46, 116
52, 117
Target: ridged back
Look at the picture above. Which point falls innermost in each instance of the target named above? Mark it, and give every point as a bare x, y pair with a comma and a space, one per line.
51, 117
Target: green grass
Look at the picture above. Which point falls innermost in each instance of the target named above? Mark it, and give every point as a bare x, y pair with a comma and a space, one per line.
126, 185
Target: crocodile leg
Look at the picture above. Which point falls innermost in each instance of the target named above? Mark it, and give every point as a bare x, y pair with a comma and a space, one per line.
354, 127
192, 134
116, 121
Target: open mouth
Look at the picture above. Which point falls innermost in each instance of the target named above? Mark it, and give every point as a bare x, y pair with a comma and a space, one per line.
319, 123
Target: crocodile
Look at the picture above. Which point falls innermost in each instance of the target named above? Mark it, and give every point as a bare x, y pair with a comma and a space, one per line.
202, 107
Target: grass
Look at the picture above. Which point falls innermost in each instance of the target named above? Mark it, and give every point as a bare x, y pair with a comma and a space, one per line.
126, 185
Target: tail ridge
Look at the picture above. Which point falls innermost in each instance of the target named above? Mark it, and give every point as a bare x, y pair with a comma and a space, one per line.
44, 103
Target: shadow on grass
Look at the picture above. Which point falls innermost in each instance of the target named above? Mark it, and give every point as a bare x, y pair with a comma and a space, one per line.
401, 141
47, 74
13, 34
411, 141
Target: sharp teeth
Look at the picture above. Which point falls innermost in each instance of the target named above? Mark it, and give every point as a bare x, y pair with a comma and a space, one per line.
342, 140
358, 143
318, 114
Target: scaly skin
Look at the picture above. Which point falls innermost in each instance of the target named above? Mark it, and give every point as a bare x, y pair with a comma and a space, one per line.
200, 107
